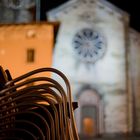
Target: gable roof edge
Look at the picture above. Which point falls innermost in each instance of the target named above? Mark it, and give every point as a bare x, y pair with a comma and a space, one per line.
132, 30
114, 7
60, 7
71, 2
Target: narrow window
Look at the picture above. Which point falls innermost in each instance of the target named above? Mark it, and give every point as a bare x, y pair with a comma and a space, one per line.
30, 55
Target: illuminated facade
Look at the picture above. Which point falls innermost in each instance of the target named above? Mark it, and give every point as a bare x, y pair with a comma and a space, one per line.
97, 51
25, 47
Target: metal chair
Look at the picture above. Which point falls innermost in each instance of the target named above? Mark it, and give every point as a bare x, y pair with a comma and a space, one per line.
36, 108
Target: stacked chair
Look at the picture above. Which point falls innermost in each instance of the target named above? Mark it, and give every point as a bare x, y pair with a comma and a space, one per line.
36, 108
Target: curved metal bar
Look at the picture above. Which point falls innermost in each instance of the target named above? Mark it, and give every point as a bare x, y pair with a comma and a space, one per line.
29, 124
10, 138
41, 118
15, 130
72, 127
40, 79
68, 92
42, 98
44, 109
48, 91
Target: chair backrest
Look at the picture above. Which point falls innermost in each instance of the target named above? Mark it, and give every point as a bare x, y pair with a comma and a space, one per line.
36, 108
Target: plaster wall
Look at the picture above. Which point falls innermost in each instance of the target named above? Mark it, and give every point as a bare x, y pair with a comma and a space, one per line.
15, 40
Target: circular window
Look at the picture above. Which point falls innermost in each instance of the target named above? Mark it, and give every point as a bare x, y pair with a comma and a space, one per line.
89, 45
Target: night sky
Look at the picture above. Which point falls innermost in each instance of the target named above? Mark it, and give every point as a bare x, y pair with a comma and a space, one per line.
130, 6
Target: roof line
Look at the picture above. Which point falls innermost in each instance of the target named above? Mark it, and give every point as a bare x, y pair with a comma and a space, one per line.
114, 7
132, 30
69, 3
31, 23
61, 7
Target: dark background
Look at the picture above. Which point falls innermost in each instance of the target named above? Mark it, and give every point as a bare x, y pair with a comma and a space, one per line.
130, 6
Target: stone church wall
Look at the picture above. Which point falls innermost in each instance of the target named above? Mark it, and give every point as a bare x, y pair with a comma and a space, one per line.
135, 76
108, 73
116, 75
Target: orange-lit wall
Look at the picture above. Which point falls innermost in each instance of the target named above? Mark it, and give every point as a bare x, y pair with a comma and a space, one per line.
16, 39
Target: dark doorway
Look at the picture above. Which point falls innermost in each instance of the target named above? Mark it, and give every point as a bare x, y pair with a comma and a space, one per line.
90, 115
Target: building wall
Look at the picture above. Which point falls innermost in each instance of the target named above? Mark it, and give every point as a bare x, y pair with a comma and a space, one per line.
108, 74
15, 40
135, 76
17, 11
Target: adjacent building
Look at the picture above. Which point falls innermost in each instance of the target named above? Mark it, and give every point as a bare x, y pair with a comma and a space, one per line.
17, 11
25, 47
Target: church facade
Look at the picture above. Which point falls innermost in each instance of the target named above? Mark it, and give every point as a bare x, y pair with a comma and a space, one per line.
99, 53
